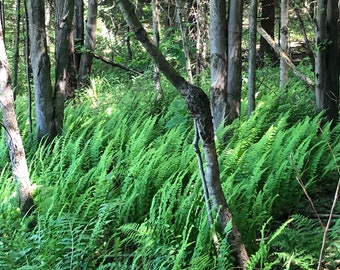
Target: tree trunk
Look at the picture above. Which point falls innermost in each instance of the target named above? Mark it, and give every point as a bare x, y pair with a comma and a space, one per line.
16, 48
78, 35
284, 42
327, 59
218, 60
41, 69
252, 56
198, 105
64, 18
268, 24
156, 38
13, 138
90, 43
234, 70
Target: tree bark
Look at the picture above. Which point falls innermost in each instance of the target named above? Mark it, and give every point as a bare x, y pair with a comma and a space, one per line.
327, 59
198, 105
252, 56
78, 35
218, 61
85, 68
64, 18
41, 69
234, 70
16, 48
267, 23
13, 138
156, 38
284, 42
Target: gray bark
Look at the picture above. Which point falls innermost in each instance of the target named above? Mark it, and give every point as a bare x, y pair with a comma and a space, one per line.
78, 30
327, 58
85, 68
41, 69
198, 105
13, 138
252, 56
218, 60
64, 17
156, 38
234, 70
284, 42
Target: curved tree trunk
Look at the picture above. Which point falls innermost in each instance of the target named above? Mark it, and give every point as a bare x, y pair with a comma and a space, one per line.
198, 104
13, 138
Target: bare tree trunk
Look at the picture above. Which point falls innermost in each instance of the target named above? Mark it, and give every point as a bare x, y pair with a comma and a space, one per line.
90, 43
327, 59
41, 69
156, 38
284, 42
78, 31
2, 18
16, 48
252, 56
64, 18
268, 24
13, 138
184, 40
234, 70
218, 60
198, 105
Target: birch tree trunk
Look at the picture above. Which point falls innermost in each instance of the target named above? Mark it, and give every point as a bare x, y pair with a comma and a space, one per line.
284, 42
218, 60
90, 43
234, 70
252, 56
13, 138
156, 38
198, 105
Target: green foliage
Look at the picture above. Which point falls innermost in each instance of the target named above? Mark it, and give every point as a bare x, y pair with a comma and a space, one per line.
120, 188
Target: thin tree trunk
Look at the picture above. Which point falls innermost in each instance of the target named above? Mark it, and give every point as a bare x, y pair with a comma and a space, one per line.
13, 138
28, 72
284, 42
184, 40
218, 60
2, 18
156, 38
90, 43
78, 31
16, 48
252, 56
234, 66
198, 105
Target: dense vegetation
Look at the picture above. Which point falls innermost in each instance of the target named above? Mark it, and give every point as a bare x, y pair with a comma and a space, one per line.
120, 189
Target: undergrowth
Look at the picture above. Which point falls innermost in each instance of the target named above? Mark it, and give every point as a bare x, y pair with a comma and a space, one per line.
120, 188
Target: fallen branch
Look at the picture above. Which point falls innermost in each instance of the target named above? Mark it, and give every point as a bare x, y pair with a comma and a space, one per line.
114, 64
285, 56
